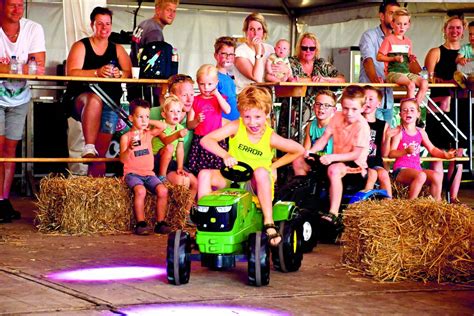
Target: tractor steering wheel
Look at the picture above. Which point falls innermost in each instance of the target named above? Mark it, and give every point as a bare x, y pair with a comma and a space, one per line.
314, 163
242, 174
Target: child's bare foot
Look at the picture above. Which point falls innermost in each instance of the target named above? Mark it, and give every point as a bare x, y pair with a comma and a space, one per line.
274, 236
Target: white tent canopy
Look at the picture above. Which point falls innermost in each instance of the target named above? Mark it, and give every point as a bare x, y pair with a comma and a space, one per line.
336, 23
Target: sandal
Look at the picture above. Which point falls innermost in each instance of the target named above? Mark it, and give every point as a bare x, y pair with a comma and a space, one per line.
333, 219
266, 227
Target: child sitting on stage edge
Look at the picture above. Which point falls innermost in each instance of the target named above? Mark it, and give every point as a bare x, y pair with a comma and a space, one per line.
351, 134
324, 108
170, 157
379, 145
137, 157
405, 148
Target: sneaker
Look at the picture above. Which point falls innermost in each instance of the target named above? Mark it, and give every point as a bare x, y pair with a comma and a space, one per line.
162, 228
89, 151
142, 229
4, 212
460, 78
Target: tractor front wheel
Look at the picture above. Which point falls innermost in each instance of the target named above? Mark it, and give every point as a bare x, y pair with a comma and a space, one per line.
258, 260
178, 261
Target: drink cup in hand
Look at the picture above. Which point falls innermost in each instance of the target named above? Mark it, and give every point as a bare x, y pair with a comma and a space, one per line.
136, 139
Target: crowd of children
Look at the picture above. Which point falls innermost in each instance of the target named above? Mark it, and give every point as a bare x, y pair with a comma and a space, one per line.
189, 138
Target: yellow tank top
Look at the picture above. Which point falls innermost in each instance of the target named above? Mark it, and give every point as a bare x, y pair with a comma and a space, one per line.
256, 155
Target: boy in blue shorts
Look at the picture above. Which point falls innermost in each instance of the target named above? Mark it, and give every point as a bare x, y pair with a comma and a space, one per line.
137, 157
251, 131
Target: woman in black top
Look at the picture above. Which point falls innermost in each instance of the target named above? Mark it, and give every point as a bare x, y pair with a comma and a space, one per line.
96, 56
441, 64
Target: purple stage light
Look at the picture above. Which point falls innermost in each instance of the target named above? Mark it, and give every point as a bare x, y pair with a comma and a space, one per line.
200, 310
108, 274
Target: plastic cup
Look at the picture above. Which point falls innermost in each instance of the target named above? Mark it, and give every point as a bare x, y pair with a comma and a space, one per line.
135, 72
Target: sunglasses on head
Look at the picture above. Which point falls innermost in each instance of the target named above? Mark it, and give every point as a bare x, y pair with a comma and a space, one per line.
310, 48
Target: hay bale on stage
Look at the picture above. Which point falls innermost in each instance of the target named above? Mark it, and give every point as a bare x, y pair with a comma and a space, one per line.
400, 191
421, 239
86, 205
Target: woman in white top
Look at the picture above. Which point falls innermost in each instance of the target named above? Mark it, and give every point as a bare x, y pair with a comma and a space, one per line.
252, 55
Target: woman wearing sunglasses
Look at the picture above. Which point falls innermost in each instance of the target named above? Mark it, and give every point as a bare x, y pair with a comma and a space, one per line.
308, 66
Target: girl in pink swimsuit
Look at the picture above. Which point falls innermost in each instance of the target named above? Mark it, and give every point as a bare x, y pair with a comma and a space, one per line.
405, 148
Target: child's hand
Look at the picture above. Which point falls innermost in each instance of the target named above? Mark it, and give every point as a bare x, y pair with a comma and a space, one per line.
398, 58
450, 154
410, 149
280, 67
229, 161
181, 172
326, 159
463, 61
215, 92
183, 132
411, 58
201, 117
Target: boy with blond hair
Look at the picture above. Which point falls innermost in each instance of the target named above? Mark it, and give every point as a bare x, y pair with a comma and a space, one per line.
169, 150
396, 52
251, 131
351, 134
379, 145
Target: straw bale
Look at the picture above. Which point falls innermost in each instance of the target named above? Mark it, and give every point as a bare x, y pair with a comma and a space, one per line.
400, 191
392, 240
86, 205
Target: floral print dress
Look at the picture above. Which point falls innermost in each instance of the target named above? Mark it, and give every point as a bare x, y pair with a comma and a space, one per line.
321, 67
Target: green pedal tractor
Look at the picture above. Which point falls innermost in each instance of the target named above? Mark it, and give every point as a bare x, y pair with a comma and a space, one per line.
229, 229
